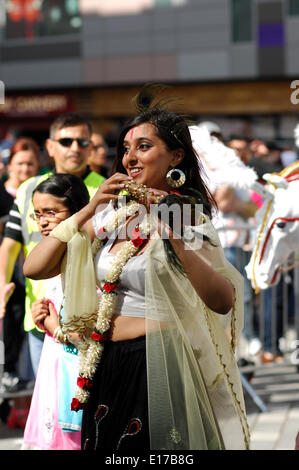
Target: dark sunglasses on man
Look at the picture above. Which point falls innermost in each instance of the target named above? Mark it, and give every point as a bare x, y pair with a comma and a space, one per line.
68, 141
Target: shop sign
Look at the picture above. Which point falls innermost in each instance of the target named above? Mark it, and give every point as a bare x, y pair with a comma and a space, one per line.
36, 105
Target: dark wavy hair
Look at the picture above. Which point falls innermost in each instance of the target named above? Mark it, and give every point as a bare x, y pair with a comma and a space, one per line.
70, 188
173, 130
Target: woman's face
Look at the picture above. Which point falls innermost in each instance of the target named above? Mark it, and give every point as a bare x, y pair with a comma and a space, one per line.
146, 157
49, 211
23, 165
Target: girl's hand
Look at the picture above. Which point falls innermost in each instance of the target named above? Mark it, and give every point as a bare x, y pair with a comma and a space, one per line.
39, 311
51, 320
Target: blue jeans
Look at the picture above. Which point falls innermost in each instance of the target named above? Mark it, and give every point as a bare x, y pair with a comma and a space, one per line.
36, 341
25, 370
239, 259
273, 313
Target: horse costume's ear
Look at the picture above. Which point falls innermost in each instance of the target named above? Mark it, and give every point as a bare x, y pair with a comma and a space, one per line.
279, 181
290, 170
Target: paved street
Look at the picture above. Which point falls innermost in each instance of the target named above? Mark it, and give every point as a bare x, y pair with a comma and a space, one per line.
275, 429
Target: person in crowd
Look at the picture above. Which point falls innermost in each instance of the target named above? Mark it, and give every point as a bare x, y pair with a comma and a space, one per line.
6, 200
98, 155
263, 163
69, 146
54, 200
10, 136
260, 160
156, 362
266, 159
255, 154
23, 163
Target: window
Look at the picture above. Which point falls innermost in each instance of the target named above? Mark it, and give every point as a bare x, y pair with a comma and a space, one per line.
293, 7
35, 18
169, 3
163, 3
241, 20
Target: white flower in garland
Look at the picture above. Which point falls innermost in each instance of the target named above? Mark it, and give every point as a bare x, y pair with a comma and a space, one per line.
91, 349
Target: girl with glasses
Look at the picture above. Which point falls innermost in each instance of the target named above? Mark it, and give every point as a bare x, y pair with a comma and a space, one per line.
48, 426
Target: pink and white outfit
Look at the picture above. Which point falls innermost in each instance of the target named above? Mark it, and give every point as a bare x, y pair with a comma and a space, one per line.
42, 430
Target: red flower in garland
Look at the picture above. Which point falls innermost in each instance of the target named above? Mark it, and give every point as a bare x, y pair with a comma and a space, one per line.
76, 405
110, 286
137, 238
100, 337
82, 382
95, 336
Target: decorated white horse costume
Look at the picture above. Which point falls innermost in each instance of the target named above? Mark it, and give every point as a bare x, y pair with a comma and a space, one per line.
277, 233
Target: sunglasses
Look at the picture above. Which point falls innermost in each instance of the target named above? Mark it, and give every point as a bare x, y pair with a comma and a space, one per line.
68, 141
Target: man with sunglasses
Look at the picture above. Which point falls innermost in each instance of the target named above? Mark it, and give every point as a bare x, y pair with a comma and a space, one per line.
69, 146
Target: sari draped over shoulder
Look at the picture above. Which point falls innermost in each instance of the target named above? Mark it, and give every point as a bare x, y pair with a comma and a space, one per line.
194, 388
195, 396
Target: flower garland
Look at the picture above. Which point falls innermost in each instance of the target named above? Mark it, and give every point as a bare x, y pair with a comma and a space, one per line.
91, 349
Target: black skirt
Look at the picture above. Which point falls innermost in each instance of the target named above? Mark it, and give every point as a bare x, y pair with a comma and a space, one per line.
116, 417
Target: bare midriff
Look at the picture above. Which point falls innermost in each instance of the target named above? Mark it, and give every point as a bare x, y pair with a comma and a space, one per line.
123, 328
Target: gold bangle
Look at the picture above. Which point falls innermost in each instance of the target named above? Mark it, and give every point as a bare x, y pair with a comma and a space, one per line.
59, 336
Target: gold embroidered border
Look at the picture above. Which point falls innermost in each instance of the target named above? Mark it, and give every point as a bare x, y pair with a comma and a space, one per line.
237, 402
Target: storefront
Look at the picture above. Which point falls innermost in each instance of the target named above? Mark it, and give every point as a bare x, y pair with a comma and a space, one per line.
263, 109
31, 114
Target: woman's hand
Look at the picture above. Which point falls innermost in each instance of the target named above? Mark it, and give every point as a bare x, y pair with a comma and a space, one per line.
154, 192
104, 194
39, 311
107, 189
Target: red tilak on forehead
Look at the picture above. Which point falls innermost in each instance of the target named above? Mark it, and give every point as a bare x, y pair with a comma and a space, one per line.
131, 133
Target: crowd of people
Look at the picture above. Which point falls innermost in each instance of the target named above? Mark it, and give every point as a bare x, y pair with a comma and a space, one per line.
93, 287
70, 147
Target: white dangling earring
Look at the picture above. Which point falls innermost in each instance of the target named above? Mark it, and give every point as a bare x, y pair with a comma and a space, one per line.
175, 178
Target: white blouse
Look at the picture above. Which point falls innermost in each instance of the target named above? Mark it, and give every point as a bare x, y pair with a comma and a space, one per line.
131, 289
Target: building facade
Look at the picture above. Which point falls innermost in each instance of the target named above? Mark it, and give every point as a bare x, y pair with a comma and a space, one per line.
233, 61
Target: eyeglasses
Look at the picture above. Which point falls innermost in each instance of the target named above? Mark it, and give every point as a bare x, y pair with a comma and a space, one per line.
68, 142
48, 215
